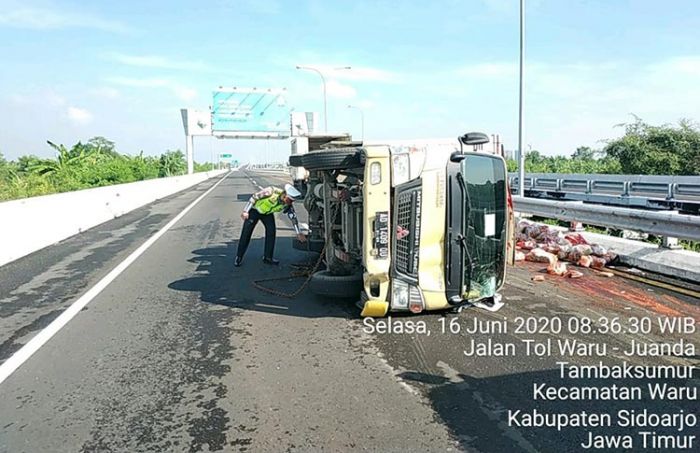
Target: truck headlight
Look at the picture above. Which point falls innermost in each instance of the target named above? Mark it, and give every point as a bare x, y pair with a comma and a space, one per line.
406, 297
399, 295
401, 168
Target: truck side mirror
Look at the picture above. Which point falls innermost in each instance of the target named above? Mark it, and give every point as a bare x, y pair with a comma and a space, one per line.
457, 156
474, 138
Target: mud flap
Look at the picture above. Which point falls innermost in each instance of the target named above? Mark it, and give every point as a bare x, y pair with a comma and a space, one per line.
375, 308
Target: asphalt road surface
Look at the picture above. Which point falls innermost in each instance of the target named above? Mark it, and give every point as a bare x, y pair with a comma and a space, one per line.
181, 353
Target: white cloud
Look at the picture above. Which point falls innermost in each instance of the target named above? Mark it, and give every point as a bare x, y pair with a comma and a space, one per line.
79, 116
340, 90
160, 62
48, 19
182, 92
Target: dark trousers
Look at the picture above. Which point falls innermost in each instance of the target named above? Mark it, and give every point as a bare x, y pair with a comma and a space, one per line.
249, 225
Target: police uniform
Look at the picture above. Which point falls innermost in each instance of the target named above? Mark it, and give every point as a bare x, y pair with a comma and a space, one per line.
261, 207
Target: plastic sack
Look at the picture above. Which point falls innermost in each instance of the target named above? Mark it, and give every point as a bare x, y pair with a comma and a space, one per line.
585, 261
609, 257
577, 251
597, 262
528, 245
552, 247
598, 250
564, 251
557, 269
575, 238
540, 256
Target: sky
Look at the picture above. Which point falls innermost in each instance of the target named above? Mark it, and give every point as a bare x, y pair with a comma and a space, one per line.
123, 70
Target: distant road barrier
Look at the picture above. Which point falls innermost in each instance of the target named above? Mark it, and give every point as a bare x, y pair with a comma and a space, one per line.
661, 223
681, 193
30, 224
669, 187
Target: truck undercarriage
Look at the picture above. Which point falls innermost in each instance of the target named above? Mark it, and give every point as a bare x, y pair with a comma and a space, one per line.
335, 206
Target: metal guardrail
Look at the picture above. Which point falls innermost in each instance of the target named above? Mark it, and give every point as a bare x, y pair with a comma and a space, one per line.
668, 187
280, 170
661, 223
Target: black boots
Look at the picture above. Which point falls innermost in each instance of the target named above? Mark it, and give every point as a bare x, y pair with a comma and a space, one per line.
237, 262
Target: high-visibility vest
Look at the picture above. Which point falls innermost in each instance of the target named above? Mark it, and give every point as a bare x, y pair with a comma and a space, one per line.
270, 204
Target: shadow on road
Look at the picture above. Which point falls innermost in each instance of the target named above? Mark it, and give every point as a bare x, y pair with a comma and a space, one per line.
476, 410
218, 282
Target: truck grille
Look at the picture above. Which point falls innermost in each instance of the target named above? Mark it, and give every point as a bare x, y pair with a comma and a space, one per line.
407, 218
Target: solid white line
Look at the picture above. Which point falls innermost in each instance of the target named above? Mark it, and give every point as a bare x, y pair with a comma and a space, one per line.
21, 356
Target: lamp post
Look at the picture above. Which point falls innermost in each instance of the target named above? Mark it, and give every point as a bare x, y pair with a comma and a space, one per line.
323, 79
521, 163
362, 119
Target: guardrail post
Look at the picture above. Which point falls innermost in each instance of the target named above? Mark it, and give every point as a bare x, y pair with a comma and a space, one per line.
671, 191
668, 242
576, 226
626, 188
589, 186
560, 184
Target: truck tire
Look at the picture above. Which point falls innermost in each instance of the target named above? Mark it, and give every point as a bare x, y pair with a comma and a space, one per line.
323, 283
295, 160
332, 159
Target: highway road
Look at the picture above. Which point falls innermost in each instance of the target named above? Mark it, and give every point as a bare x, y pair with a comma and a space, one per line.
181, 353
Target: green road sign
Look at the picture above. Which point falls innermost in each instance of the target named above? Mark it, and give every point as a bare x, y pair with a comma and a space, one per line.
226, 156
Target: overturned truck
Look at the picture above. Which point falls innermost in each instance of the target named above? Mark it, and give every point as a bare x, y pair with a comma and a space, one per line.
408, 226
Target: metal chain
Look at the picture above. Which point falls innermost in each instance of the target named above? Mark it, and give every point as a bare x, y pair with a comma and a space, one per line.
302, 273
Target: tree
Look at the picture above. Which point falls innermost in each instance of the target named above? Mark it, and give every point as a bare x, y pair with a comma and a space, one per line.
584, 153
172, 163
101, 144
657, 150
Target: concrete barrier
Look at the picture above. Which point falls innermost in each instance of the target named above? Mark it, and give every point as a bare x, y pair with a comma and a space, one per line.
30, 224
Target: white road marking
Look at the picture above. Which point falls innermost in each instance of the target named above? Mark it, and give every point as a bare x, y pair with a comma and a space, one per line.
21, 356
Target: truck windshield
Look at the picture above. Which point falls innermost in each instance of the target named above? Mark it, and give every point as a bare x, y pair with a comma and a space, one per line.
484, 224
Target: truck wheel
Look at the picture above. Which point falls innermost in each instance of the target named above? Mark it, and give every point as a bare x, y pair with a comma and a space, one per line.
332, 159
295, 160
323, 283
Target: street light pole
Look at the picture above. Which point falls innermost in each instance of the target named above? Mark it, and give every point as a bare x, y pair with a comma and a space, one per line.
521, 163
362, 119
323, 79
325, 109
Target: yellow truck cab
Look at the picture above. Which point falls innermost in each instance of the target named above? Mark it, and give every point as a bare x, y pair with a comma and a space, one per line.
409, 226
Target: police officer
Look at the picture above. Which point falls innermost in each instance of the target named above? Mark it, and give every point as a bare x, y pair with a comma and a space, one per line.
262, 206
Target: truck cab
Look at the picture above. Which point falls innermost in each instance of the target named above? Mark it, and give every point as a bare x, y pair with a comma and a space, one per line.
409, 226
